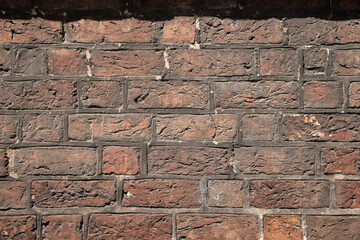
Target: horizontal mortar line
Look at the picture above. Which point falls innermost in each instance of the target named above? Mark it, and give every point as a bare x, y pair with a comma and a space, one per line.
190, 144
297, 144
170, 111
232, 78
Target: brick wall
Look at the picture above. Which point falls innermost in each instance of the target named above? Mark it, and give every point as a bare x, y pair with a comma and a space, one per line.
179, 119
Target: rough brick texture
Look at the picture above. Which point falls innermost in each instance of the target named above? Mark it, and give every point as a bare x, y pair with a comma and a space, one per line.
180, 119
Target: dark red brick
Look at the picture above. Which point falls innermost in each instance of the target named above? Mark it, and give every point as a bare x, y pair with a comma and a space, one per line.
66, 62
224, 4
15, 4
4, 163
129, 226
348, 194
216, 226
225, 193
13, 195
82, 5
110, 127
64, 194
346, 62
289, 194
279, 61
274, 160
8, 128
151, 5
121, 160
168, 94
179, 30
349, 4
30, 62
5, 60
315, 60
322, 94
161, 193
53, 161
354, 95
340, 160
239, 62
101, 94
43, 128
260, 127
196, 127
284, 5
282, 227
188, 161
62, 227
18, 227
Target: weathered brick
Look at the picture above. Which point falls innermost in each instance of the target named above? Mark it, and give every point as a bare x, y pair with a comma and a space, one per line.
126, 30
196, 127
54, 5
282, 227
289, 194
224, 4
215, 30
53, 161
161, 193
333, 227
18, 227
188, 161
263, 95
129, 226
66, 62
323, 32
168, 94
8, 128
274, 160
348, 194
61, 194
322, 94
34, 30
15, 4
179, 30
315, 60
121, 160
225, 193
101, 94
4, 163
84, 127
62, 227
5, 60
354, 95
346, 62
317, 127
13, 195
43, 128
340, 160
278, 62
259, 127
234, 62
151, 5
216, 226
41, 95
30, 62
127, 63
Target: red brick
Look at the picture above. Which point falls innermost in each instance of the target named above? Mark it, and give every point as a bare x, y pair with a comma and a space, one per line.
43, 128
217, 227
126, 30
322, 32
196, 127
354, 95
179, 30
34, 30
62, 227
333, 227
30, 62
151, 5
18, 227
66, 62
274, 160
8, 127
322, 94
101, 94
346, 62
260, 127
62, 194
234, 62
110, 127
262, 95
129, 226
15, 4
289, 194
215, 30
225, 193
315, 60
348, 194
188, 161
224, 4
278, 62
168, 94
4, 162
13, 195
121, 160
71, 5
53, 161
5, 60
339, 160
127, 63
282, 227
41, 95
161, 193
317, 127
